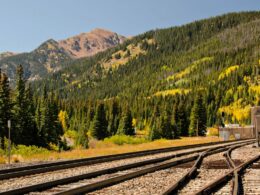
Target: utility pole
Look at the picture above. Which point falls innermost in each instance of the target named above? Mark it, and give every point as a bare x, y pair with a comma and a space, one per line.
9, 141
197, 128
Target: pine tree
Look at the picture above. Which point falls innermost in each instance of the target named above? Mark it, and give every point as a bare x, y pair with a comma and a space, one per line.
38, 115
182, 123
5, 107
113, 119
56, 128
154, 132
82, 138
23, 109
176, 112
90, 115
30, 118
125, 125
98, 128
45, 122
198, 118
50, 128
156, 111
166, 128
155, 125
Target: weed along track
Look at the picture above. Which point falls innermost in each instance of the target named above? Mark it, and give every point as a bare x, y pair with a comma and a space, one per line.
98, 175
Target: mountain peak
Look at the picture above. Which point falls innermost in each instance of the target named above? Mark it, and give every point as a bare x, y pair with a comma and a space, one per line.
48, 42
48, 46
100, 30
90, 43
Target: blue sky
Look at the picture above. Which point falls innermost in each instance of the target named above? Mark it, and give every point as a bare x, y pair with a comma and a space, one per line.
24, 24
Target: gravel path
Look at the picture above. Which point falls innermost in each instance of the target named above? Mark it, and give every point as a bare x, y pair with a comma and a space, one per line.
158, 182
224, 190
152, 183
244, 153
129, 182
146, 184
205, 175
251, 181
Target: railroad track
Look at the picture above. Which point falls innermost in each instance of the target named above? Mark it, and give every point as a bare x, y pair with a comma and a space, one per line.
110, 176
242, 179
232, 181
213, 186
47, 167
251, 179
181, 186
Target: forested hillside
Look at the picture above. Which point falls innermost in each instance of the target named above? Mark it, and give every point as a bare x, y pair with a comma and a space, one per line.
167, 82
218, 56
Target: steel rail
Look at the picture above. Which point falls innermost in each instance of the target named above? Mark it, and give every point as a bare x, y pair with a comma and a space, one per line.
50, 184
47, 167
231, 164
211, 187
114, 180
235, 180
192, 172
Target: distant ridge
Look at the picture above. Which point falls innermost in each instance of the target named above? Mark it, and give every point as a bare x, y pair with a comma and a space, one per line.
6, 54
50, 55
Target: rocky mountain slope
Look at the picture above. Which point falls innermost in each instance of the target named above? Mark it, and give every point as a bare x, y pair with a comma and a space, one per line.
52, 55
6, 54
88, 44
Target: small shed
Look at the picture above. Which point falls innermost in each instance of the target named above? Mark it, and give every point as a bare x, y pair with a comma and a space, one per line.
236, 132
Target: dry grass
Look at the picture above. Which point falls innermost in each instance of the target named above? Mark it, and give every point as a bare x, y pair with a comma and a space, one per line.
16, 158
2, 160
114, 63
135, 51
99, 148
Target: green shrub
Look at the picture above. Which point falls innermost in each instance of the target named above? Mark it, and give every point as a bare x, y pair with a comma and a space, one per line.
2, 152
29, 150
71, 134
125, 139
53, 147
154, 134
82, 139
